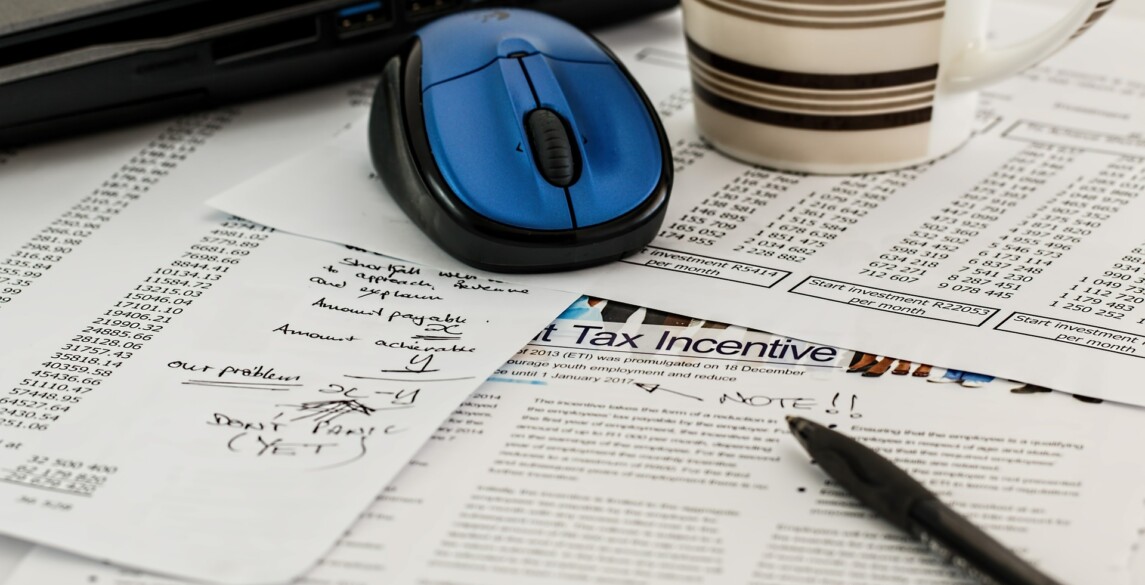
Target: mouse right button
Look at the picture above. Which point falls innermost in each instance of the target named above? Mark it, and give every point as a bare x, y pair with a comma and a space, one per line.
620, 150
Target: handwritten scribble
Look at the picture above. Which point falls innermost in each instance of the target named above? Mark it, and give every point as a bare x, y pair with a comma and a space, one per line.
360, 454
329, 410
650, 388
262, 446
759, 400
267, 386
418, 364
835, 406
404, 396
231, 444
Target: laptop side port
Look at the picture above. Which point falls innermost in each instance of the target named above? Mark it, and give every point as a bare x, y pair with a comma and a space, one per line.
416, 9
266, 40
363, 18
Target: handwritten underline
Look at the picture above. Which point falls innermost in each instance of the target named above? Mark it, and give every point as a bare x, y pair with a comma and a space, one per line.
272, 387
409, 379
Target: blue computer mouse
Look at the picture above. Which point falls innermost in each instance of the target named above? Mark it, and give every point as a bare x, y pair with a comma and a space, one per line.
519, 143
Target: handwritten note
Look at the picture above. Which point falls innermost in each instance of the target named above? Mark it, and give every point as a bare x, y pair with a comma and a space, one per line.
278, 402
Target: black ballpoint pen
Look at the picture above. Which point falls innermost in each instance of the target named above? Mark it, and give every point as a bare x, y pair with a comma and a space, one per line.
898, 498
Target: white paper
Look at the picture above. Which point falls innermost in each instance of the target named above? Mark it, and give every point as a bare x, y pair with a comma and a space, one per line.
1137, 564
1017, 255
198, 395
13, 553
586, 459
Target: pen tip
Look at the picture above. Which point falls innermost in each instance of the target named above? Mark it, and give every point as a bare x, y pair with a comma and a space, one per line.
801, 428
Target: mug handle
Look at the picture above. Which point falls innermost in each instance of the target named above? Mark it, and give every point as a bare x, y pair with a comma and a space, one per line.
981, 64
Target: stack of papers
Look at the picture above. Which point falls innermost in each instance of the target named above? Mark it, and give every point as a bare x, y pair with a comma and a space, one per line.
293, 385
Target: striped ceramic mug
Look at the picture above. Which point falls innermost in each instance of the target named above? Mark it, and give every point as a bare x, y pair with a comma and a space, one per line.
849, 86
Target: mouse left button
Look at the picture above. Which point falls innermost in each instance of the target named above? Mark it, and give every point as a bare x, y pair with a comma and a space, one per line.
473, 125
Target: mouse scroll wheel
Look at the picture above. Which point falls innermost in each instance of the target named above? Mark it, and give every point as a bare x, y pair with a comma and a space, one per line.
553, 148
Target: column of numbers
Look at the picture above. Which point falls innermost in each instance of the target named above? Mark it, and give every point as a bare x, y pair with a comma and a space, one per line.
679, 101
932, 243
1113, 294
106, 343
729, 207
1017, 257
814, 221
21, 268
686, 153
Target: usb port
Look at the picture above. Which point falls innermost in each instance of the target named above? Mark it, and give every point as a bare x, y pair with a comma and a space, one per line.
362, 18
423, 8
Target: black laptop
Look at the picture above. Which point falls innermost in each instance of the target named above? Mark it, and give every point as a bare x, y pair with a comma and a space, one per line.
69, 66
